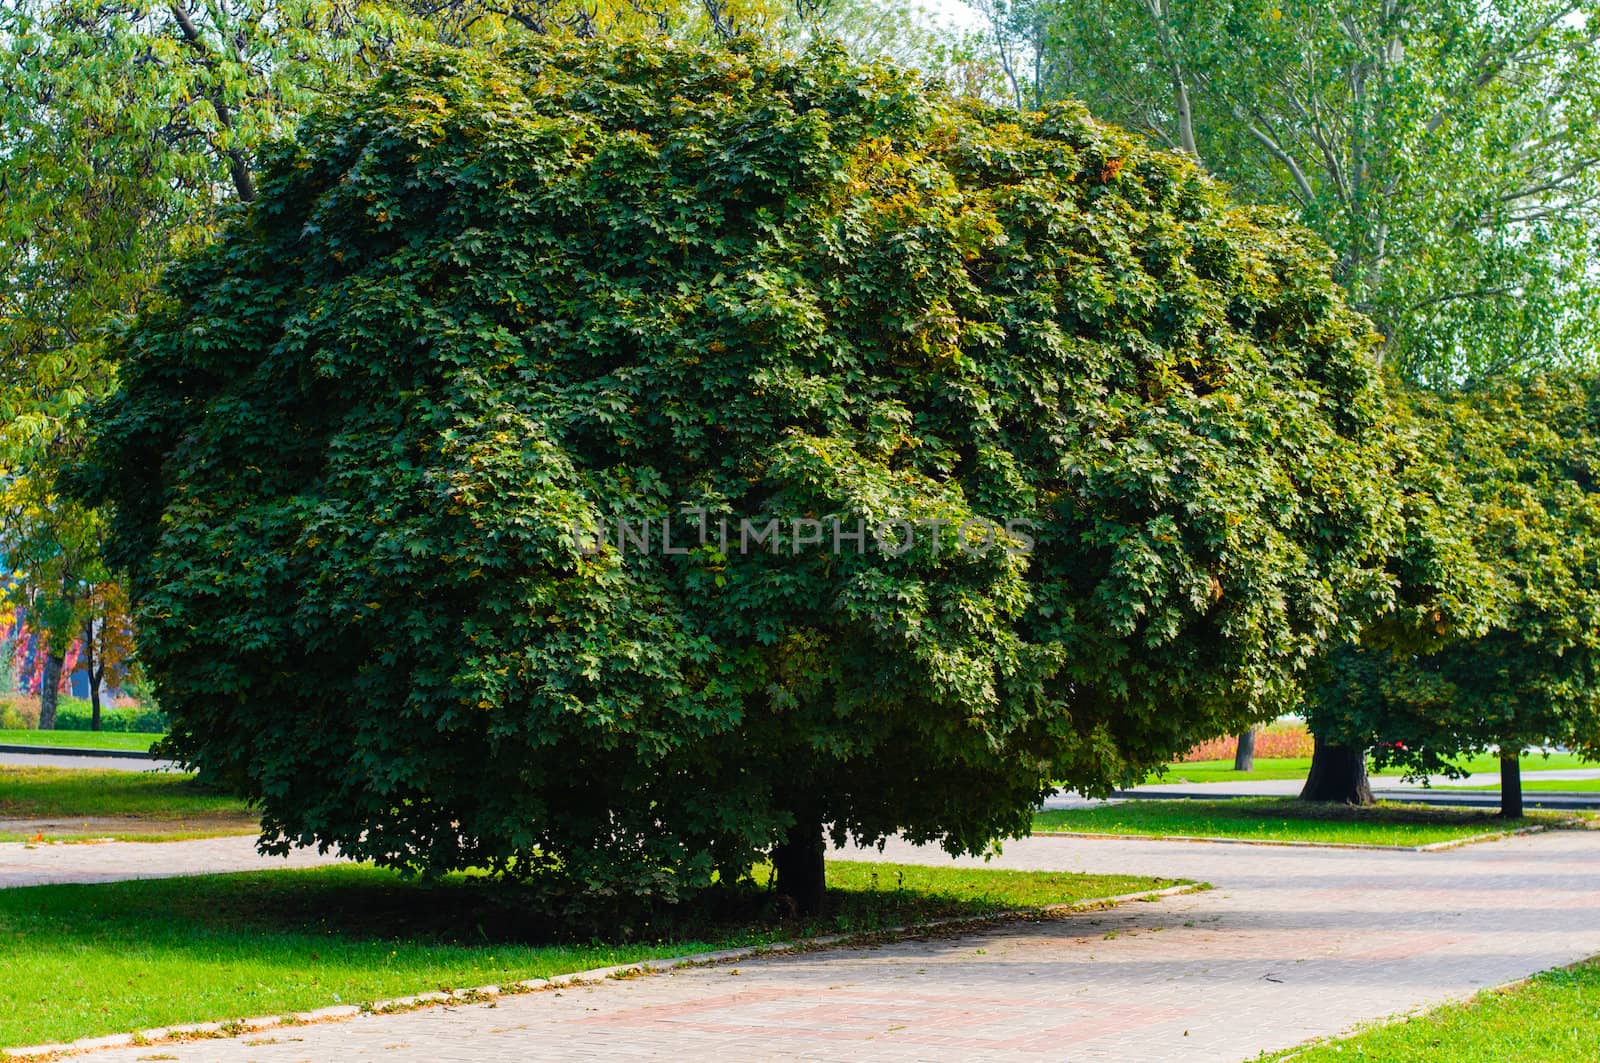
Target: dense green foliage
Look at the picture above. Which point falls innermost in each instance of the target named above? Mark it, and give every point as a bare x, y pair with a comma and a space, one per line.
74, 715
488, 299
1527, 673
127, 129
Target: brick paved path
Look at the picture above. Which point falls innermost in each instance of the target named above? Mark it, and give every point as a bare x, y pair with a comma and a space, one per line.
1293, 943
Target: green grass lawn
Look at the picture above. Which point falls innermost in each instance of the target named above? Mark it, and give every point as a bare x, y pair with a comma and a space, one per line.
1287, 819
1296, 768
64, 803
138, 743
1554, 1018
79, 961
1532, 785
1222, 771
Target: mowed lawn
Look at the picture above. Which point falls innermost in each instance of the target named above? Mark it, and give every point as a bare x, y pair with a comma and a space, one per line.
1552, 1018
68, 804
78, 961
1533, 786
1289, 819
115, 740
1296, 768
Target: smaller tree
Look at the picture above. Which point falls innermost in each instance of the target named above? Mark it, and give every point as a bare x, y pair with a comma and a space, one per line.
1523, 670
1443, 589
106, 641
52, 549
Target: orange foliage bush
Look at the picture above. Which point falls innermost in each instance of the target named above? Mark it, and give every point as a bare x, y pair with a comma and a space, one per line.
1288, 740
18, 713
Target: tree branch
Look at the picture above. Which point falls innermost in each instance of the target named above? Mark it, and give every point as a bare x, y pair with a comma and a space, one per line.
1307, 196
238, 165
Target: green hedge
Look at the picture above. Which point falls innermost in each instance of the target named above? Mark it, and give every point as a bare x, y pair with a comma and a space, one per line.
74, 714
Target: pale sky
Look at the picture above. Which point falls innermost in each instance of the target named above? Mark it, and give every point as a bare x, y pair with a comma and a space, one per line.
955, 13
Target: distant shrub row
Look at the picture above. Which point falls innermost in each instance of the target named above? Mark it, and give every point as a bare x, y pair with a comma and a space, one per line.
73, 714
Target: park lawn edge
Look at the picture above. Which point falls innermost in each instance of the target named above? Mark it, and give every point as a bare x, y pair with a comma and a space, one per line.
1429, 847
1265, 820
480, 994
1477, 999
99, 743
130, 837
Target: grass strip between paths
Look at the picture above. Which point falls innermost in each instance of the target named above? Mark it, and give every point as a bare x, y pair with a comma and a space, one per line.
64, 804
1553, 1017
84, 961
117, 740
1534, 785
1289, 819
1296, 768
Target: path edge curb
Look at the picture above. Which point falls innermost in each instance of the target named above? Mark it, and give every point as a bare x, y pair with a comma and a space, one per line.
72, 751
480, 994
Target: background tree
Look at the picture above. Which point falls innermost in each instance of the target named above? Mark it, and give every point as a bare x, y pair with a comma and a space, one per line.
1444, 589
127, 131
612, 280
51, 547
1244, 750
108, 653
1446, 150
1024, 43
1528, 676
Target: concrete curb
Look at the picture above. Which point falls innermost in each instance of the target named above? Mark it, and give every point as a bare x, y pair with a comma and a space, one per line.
1431, 847
235, 1027
66, 751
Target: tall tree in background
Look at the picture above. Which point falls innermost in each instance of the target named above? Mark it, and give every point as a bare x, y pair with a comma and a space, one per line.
1446, 150
106, 638
1023, 40
127, 131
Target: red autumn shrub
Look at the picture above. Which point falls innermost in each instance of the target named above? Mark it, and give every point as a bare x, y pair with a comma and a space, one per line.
1280, 740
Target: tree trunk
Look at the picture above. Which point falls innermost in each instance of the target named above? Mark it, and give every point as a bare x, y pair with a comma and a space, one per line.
94, 680
1511, 785
1244, 754
49, 688
1338, 773
798, 862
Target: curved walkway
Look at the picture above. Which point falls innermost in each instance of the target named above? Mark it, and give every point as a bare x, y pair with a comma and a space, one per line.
1293, 943
91, 862
46, 758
